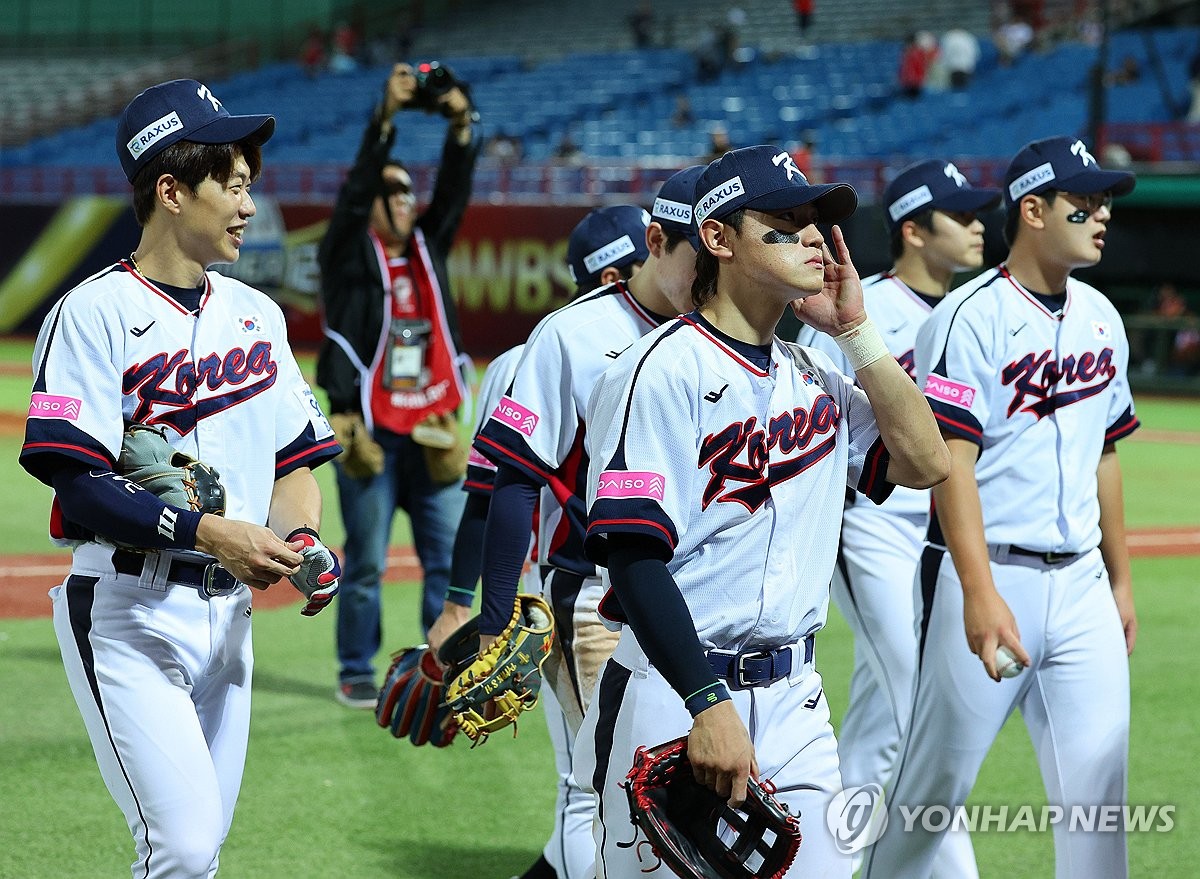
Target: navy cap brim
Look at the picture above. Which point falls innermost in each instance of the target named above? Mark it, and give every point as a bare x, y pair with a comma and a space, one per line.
256, 129
834, 201
1091, 181
968, 200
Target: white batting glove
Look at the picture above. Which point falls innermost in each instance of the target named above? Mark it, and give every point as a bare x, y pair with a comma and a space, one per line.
318, 576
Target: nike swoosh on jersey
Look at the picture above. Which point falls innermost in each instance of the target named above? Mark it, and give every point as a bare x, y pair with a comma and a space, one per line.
143, 330
615, 354
714, 396
1017, 330
891, 331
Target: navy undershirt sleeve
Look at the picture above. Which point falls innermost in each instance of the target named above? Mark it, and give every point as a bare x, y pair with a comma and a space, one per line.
505, 543
661, 620
467, 560
116, 509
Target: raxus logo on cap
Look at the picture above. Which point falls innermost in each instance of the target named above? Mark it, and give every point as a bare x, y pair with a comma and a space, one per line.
611, 236
673, 207
1063, 164
765, 178
933, 185
182, 109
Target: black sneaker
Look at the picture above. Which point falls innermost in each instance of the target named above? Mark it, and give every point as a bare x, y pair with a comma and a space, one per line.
359, 694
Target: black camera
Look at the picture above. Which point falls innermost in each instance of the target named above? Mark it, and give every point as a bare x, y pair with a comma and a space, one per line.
434, 79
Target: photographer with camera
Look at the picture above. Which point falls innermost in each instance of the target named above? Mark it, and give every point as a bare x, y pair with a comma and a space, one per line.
391, 361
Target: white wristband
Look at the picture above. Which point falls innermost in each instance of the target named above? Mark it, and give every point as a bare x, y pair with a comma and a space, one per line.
862, 345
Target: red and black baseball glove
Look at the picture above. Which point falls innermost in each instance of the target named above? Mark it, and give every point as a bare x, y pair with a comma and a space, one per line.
695, 832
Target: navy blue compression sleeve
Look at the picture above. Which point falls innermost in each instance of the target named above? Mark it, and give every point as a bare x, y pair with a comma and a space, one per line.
467, 560
661, 620
115, 508
505, 543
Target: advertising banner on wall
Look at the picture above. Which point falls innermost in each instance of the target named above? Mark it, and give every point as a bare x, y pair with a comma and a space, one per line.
507, 267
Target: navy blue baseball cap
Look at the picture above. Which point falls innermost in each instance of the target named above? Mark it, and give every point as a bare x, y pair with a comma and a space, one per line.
765, 178
1064, 165
935, 185
613, 237
181, 109
673, 208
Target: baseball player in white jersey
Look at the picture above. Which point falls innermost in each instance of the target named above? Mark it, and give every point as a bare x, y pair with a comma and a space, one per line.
1025, 368
156, 640
536, 438
931, 214
719, 466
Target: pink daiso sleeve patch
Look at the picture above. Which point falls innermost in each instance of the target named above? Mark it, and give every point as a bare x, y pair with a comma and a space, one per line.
631, 483
477, 460
509, 411
949, 392
55, 406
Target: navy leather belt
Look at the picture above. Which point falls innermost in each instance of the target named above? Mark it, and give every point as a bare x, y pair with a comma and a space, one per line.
760, 667
1050, 558
210, 579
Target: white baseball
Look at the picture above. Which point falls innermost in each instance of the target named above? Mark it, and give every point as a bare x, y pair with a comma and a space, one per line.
1007, 663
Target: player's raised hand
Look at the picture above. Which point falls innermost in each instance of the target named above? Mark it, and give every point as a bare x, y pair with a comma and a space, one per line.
721, 753
990, 623
254, 554
838, 308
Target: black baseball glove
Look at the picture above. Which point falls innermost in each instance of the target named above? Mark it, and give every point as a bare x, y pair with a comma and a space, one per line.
682, 818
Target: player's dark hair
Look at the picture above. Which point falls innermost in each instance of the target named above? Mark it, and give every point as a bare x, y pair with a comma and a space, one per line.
191, 164
1012, 219
672, 239
704, 287
924, 219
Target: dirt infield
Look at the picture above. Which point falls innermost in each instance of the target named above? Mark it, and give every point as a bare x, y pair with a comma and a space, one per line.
25, 579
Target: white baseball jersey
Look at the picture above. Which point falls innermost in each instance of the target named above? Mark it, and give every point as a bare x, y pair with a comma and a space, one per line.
741, 471
1042, 395
161, 670
539, 425
481, 473
110, 354
897, 311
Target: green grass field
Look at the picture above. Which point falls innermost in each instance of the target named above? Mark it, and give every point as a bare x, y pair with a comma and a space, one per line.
327, 793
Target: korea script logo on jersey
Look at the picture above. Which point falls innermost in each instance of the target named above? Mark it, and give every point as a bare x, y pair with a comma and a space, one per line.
166, 384
738, 453
1036, 375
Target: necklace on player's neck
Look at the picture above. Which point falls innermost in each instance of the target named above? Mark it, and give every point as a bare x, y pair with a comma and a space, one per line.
133, 262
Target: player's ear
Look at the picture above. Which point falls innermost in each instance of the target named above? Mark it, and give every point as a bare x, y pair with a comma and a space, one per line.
715, 236
1033, 211
912, 234
609, 275
168, 193
656, 240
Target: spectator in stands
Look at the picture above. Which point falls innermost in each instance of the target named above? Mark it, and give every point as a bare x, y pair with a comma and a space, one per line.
804, 14
919, 51
345, 48
1130, 71
710, 53
1012, 38
504, 148
683, 115
391, 367
641, 25
718, 143
960, 54
1184, 359
1194, 80
312, 52
567, 151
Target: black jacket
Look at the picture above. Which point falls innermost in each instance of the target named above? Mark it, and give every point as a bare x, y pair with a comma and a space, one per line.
352, 291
